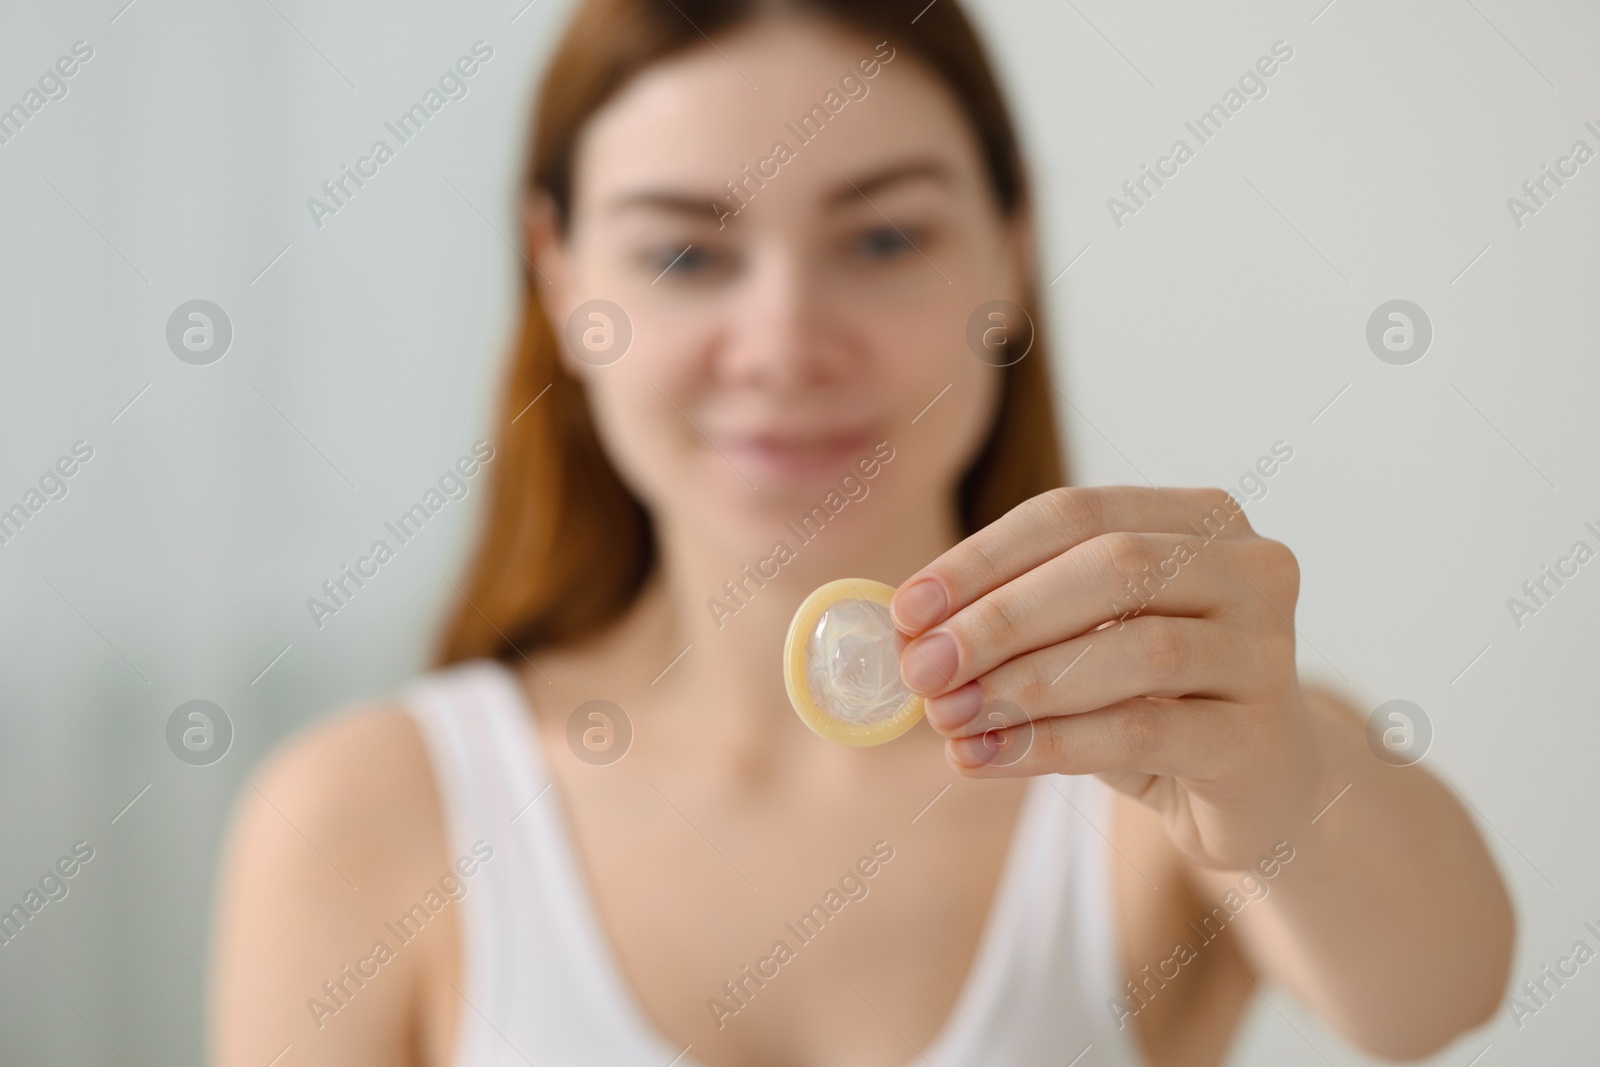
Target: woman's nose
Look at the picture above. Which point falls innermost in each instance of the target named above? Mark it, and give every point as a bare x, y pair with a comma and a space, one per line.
781, 329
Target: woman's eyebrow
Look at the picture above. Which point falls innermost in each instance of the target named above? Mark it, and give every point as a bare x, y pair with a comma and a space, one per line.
895, 174
702, 206
668, 200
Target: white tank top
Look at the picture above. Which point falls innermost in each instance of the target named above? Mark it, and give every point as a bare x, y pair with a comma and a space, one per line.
537, 973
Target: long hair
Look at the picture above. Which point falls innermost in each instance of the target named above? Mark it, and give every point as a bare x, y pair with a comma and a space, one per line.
566, 546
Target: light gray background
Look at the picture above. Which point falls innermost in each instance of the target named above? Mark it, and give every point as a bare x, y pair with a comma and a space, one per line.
1225, 316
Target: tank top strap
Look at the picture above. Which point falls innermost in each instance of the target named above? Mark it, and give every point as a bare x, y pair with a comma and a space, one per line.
483, 777
1089, 939
537, 978
470, 716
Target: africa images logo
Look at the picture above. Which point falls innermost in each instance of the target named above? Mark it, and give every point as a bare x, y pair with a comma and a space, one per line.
805, 129
338, 191
1252, 85
453, 485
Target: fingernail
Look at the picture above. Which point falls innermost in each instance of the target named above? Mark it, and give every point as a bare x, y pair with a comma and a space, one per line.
919, 605
954, 710
928, 663
977, 750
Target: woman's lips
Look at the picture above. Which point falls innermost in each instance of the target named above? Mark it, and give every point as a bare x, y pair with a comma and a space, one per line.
780, 459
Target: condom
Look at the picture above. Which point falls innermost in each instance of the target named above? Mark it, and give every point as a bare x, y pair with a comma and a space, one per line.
841, 665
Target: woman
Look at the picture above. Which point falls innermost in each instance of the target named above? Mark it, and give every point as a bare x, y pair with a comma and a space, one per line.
1125, 816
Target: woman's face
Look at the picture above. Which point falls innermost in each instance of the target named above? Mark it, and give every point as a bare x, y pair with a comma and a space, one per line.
779, 336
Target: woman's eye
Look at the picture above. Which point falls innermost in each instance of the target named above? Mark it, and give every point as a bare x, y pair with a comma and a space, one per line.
682, 261
884, 243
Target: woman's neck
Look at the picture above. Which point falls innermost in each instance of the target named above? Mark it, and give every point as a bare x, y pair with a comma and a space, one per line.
711, 624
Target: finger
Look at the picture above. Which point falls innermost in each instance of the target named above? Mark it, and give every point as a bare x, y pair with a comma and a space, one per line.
1170, 738
1108, 578
1046, 526
1152, 655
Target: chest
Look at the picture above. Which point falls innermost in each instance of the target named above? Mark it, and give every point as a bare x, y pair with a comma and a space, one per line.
790, 921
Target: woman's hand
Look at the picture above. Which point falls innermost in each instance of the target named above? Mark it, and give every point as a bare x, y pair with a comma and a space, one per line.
1143, 635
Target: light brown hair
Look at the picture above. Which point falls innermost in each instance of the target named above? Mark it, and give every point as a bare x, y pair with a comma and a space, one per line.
566, 547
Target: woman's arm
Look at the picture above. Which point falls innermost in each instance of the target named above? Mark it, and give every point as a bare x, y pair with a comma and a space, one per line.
1391, 922
1147, 636
331, 841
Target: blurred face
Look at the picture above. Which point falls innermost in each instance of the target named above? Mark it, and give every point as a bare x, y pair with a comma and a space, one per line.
797, 266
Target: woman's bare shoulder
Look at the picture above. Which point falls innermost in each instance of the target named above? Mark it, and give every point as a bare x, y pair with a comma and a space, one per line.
334, 834
361, 775
347, 803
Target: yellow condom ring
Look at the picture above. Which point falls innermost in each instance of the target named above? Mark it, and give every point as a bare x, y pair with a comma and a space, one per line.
851, 692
